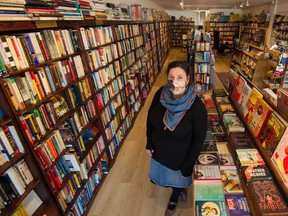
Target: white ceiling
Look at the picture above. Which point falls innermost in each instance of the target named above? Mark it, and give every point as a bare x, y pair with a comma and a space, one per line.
208, 4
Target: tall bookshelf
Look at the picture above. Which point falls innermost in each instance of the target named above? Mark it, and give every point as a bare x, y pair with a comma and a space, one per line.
88, 82
226, 29
17, 163
178, 29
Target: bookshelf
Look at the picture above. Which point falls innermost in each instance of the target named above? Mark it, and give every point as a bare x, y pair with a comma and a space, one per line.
178, 29
226, 29
202, 61
20, 178
76, 97
280, 28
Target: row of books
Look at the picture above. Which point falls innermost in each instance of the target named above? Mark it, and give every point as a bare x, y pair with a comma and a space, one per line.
267, 126
13, 182
22, 51
10, 144
34, 85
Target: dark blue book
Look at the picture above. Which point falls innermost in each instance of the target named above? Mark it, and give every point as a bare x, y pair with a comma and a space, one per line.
237, 205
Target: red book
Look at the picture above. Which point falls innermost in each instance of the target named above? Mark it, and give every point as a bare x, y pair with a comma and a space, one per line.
42, 158
258, 117
51, 181
27, 131
11, 140
238, 88
55, 178
37, 84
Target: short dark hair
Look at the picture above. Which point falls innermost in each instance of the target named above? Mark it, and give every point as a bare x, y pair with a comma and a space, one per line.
181, 64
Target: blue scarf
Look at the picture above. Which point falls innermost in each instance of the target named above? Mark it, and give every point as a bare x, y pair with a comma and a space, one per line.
176, 108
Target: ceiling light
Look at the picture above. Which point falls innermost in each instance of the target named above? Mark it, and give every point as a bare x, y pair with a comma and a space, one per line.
241, 5
181, 3
247, 3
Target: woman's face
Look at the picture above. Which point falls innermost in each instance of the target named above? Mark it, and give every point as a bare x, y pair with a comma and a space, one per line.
179, 79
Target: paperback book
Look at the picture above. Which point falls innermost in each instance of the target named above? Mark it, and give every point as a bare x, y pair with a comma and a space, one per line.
240, 140
217, 208
213, 191
249, 157
233, 124
280, 158
237, 205
207, 158
267, 198
255, 173
204, 173
272, 133
231, 181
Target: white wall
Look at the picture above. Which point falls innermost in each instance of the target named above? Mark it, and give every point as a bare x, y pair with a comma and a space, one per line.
282, 8
226, 11
185, 13
144, 3
257, 10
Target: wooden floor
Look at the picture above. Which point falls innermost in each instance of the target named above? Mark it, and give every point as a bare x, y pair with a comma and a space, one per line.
127, 190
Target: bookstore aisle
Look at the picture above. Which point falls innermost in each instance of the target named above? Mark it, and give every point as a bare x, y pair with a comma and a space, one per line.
127, 189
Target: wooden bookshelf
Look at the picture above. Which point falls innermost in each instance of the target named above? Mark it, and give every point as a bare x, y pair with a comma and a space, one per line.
178, 29
102, 73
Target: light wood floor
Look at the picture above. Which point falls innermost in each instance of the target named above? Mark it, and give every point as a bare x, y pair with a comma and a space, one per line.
127, 190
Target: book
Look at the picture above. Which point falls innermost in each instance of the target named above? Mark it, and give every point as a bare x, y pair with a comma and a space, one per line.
213, 191
32, 202
232, 80
267, 198
237, 91
250, 157
282, 101
258, 116
240, 140
208, 146
280, 158
211, 208
245, 95
233, 124
203, 173
254, 173
237, 205
272, 133
207, 158
231, 181
216, 127
226, 161
226, 109
255, 94
219, 92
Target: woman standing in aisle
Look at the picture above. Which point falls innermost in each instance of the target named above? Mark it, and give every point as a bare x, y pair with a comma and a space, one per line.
176, 130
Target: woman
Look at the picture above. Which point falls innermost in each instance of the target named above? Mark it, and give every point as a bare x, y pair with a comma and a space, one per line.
176, 130
216, 36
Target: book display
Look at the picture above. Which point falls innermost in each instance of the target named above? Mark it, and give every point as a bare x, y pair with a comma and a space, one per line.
75, 89
21, 183
180, 28
226, 30
251, 162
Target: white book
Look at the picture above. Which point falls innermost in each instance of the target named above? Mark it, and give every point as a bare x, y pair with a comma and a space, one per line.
67, 41
83, 171
24, 61
16, 180
79, 66
59, 139
84, 37
72, 162
6, 143
44, 80
32, 202
13, 52
16, 139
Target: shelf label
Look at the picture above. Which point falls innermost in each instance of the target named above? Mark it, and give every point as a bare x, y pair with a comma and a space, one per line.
99, 22
46, 24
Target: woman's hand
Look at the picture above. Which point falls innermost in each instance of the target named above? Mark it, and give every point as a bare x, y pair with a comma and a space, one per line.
149, 152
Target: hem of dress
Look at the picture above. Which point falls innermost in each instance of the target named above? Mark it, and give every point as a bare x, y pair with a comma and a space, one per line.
168, 185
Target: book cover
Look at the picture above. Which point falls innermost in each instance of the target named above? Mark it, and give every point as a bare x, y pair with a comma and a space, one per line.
233, 124
258, 116
240, 140
219, 92
209, 103
282, 101
202, 173
255, 173
250, 157
213, 191
232, 80
272, 133
237, 91
267, 198
237, 205
231, 181
216, 208
255, 94
245, 95
208, 146
207, 158
226, 161
280, 158
226, 109
216, 127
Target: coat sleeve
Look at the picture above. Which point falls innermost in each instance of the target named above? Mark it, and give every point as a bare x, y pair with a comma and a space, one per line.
149, 126
199, 121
